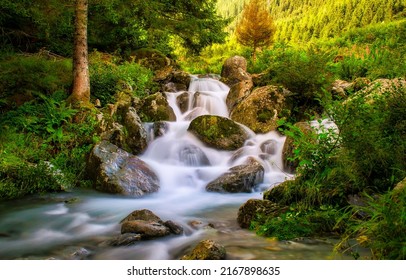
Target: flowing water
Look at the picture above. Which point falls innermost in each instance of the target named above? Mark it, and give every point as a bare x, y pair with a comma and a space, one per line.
75, 225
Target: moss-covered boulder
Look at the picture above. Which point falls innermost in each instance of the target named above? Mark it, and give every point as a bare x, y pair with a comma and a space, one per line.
207, 250
256, 208
240, 178
136, 134
218, 132
261, 109
155, 108
238, 92
234, 70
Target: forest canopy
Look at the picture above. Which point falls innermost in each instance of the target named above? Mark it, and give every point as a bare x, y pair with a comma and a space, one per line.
114, 25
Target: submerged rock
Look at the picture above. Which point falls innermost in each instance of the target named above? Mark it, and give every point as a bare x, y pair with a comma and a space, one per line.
207, 250
241, 178
218, 132
117, 171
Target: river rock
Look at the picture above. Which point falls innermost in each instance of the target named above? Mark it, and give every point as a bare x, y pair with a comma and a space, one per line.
183, 101
117, 171
148, 225
207, 250
218, 132
269, 147
234, 70
160, 128
126, 239
155, 108
147, 229
192, 155
136, 134
262, 108
238, 92
241, 178
144, 215
255, 208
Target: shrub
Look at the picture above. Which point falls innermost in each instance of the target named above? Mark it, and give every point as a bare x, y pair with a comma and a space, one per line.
108, 78
383, 228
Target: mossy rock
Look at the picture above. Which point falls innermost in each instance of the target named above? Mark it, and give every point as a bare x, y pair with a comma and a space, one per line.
207, 250
218, 132
155, 108
255, 208
262, 109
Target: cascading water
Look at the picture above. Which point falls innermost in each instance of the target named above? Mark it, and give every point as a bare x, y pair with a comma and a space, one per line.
184, 166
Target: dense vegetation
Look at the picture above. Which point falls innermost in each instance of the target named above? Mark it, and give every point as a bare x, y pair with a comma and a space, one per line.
44, 142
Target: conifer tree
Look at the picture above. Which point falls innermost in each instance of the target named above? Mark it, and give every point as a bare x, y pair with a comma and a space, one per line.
256, 27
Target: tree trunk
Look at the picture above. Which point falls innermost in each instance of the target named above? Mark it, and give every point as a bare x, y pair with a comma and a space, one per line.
81, 81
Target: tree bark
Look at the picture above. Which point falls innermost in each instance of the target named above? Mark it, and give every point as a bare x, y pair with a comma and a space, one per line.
81, 81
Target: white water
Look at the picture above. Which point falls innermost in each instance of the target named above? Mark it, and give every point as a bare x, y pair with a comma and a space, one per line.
184, 166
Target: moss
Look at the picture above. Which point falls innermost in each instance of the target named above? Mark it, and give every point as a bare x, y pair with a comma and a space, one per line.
218, 132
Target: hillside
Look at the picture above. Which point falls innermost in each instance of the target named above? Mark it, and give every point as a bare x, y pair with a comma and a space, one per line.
302, 21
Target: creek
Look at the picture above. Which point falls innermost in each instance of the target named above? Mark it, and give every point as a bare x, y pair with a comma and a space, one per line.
75, 225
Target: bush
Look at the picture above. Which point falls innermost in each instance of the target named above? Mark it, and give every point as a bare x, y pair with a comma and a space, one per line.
383, 229
294, 224
27, 74
306, 73
108, 78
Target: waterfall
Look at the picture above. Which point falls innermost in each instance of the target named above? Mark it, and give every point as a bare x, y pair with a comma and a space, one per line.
184, 166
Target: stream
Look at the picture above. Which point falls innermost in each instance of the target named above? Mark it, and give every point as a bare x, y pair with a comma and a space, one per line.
75, 225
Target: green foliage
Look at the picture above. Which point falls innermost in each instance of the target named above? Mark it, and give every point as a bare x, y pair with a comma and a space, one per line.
23, 179
379, 225
301, 22
307, 73
108, 78
21, 76
372, 130
294, 224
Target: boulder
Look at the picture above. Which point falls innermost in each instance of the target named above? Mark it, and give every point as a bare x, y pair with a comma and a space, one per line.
207, 250
148, 225
269, 147
183, 101
192, 155
117, 171
381, 87
218, 132
146, 229
144, 215
261, 109
340, 88
255, 208
238, 92
126, 239
136, 134
241, 178
160, 128
155, 108
234, 70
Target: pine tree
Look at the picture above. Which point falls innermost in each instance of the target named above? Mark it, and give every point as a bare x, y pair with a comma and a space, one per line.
256, 27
